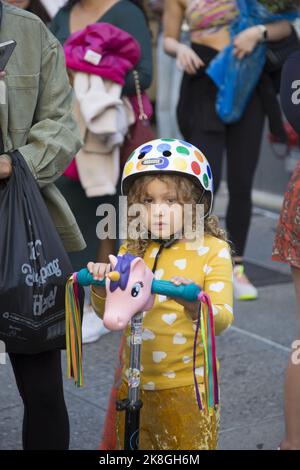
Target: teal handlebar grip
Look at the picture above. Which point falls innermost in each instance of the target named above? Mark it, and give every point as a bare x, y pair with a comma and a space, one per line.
187, 292
84, 278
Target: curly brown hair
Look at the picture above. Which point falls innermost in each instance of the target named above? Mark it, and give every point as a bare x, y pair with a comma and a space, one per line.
187, 193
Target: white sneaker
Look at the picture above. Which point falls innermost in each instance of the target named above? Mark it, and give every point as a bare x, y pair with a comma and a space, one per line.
92, 326
242, 287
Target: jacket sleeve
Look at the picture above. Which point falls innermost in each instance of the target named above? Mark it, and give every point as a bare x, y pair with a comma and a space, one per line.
54, 138
135, 24
218, 285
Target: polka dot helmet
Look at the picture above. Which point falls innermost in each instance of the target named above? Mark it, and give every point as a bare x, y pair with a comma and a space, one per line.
169, 156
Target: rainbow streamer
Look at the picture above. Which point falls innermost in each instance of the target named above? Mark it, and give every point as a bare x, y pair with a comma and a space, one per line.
73, 332
205, 324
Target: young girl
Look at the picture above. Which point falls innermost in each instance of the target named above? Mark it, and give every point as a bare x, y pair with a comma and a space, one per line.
162, 176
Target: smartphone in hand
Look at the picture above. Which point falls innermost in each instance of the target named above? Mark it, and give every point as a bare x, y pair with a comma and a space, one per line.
6, 50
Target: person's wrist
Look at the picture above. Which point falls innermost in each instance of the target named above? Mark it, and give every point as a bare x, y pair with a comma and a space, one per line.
262, 33
7, 157
179, 47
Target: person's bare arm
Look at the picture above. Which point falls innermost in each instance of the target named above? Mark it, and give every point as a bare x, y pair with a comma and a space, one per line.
172, 21
157, 6
278, 30
187, 59
247, 40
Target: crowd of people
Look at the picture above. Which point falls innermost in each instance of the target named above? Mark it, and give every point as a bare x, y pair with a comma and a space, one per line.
79, 111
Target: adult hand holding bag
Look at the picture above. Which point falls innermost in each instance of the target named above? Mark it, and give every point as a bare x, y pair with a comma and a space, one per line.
34, 267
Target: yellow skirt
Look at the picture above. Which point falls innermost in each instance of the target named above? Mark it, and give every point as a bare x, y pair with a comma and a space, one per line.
171, 420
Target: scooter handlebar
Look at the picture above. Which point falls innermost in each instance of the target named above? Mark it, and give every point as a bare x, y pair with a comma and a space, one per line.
85, 278
189, 292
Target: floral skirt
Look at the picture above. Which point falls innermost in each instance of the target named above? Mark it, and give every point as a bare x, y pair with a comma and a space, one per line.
171, 420
287, 240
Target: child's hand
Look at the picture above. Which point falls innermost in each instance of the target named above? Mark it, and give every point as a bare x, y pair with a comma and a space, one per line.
181, 280
191, 307
99, 271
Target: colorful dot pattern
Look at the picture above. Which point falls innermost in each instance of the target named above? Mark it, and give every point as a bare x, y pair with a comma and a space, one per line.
170, 155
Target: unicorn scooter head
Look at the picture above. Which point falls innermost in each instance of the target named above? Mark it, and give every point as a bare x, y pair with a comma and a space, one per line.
131, 280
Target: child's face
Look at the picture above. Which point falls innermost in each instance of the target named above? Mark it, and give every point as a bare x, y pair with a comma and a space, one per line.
164, 214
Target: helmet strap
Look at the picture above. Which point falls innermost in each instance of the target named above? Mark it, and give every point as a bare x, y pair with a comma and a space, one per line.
163, 244
199, 202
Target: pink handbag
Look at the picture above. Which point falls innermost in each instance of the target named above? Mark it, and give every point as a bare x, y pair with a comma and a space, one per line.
141, 131
71, 172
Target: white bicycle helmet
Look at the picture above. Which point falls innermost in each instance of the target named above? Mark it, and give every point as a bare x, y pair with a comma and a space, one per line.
170, 156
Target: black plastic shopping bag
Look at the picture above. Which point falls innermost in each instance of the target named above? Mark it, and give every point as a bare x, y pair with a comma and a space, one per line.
34, 267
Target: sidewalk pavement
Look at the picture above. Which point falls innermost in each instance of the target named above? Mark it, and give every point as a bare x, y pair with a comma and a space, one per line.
253, 356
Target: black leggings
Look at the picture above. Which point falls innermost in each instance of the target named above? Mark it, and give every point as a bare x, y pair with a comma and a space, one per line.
201, 126
40, 384
242, 142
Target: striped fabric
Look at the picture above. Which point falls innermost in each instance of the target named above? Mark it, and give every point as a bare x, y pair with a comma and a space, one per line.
209, 16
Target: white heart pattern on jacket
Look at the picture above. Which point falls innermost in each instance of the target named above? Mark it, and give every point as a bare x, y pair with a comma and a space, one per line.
170, 374
203, 250
147, 335
159, 274
186, 359
180, 263
217, 287
207, 269
149, 386
179, 339
158, 356
224, 253
169, 318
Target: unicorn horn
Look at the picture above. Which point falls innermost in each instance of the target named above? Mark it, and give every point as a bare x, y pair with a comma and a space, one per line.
114, 275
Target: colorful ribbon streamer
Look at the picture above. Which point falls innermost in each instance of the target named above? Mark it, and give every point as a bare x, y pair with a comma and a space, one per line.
205, 324
73, 332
